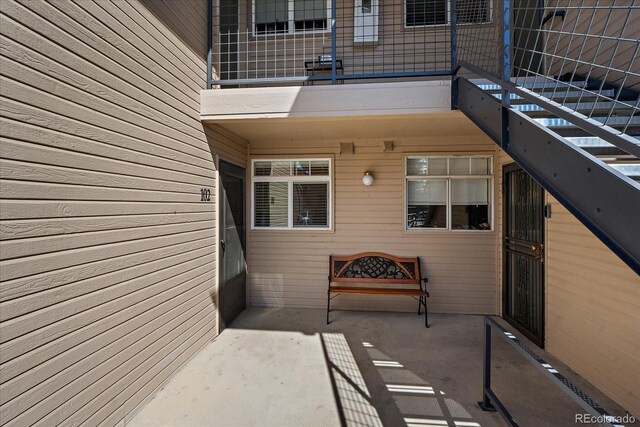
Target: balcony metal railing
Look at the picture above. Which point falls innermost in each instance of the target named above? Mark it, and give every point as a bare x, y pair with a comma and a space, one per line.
285, 41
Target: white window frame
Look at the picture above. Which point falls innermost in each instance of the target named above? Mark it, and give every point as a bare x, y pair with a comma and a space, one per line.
290, 180
291, 21
448, 179
448, 13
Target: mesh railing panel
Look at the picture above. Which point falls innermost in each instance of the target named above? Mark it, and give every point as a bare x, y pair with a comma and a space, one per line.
581, 54
480, 45
288, 40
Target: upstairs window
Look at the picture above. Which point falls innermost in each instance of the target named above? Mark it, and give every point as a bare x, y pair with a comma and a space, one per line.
290, 16
449, 193
423, 13
291, 194
420, 13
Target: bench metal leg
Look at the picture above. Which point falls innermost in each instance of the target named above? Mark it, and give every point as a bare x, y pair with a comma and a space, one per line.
328, 306
426, 314
419, 305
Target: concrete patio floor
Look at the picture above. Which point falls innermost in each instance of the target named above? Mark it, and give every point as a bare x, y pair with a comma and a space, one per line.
286, 367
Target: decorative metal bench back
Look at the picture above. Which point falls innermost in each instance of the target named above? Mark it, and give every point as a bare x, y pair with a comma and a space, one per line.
375, 266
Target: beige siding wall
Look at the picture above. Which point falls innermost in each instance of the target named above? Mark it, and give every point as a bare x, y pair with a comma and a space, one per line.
291, 268
592, 301
593, 309
108, 255
226, 145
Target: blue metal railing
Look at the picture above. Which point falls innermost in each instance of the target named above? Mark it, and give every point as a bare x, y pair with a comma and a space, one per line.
333, 41
491, 402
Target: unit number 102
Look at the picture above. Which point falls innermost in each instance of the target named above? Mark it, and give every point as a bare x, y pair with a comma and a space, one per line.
205, 195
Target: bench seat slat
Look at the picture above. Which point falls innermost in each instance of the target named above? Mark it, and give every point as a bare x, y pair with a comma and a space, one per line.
376, 291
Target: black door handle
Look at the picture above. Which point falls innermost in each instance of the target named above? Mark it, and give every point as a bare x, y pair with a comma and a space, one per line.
223, 246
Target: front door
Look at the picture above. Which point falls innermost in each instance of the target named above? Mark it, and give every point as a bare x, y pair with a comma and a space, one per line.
232, 291
523, 245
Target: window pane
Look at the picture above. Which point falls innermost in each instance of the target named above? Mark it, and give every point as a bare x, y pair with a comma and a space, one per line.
480, 166
320, 167
262, 168
470, 204
271, 204
426, 12
426, 204
473, 11
301, 168
459, 165
427, 166
310, 14
271, 11
310, 205
282, 168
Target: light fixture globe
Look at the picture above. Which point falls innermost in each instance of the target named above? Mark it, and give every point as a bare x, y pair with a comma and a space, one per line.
367, 179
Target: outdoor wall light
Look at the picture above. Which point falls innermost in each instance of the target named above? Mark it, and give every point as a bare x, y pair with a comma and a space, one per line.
367, 179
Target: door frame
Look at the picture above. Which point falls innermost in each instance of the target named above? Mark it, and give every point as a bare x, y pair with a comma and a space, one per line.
539, 341
237, 171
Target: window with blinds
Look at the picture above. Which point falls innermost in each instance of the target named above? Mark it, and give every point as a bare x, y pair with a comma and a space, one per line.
422, 13
291, 194
449, 193
284, 16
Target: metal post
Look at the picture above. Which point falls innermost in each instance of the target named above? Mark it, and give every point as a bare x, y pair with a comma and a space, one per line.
209, 43
506, 70
333, 41
485, 403
454, 55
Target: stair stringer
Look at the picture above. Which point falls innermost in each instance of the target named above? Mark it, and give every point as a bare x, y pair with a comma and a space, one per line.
603, 199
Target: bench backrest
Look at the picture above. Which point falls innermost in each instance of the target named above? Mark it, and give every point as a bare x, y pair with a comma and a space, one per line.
374, 267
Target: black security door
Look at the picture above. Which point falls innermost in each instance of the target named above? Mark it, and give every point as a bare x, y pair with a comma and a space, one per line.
523, 248
232, 292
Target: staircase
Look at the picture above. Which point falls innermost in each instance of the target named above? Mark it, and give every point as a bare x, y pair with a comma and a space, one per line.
597, 178
615, 115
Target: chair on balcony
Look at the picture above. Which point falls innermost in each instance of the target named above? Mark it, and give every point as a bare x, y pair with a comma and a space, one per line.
322, 65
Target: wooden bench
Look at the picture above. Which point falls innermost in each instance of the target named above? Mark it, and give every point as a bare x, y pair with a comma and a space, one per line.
377, 268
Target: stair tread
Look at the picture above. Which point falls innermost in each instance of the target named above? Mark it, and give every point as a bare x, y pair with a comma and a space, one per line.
567, 96
605, 106
613, 121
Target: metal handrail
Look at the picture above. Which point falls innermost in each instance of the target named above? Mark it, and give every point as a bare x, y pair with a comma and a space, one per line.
491, 402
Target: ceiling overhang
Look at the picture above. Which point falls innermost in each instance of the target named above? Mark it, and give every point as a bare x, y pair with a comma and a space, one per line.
335, 111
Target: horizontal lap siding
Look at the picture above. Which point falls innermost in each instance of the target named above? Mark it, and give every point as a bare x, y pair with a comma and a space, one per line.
291, 268
108, 255
593, 309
